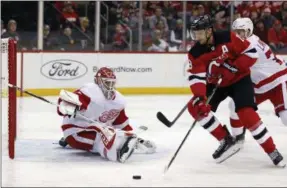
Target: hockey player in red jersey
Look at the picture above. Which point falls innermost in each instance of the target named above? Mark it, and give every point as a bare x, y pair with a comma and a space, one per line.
269, 75
224, 55
110, 134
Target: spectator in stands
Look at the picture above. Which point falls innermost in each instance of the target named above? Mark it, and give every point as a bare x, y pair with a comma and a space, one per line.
11, 31
158, 45
171, 22
49, 42
284, 10
83, 35
254, 16
236, 15
268, 18
70, 16
67, 40
3, 30
283, 14
243, 8
120, 38
277, 36
284, 25
134, 19
220, 13
261, 31
156, 18
125, 10
146, 9
167, 9
176, 34
217, 11
61, 4
194, 14
161, 27
201, 10
113, 15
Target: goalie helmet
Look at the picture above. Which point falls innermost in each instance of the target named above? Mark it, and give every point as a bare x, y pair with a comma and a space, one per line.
245, 24
106, 80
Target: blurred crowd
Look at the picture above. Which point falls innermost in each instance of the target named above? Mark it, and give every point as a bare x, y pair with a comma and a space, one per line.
70, 25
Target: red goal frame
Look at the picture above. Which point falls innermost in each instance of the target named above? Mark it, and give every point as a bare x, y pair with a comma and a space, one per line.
12, 92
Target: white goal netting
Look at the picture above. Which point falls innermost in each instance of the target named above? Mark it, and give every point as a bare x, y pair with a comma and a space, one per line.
4, 67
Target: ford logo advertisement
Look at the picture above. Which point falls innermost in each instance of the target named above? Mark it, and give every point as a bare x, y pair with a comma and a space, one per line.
63, 69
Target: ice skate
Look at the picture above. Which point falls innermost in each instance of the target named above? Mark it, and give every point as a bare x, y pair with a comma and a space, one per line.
277, 159
227, 148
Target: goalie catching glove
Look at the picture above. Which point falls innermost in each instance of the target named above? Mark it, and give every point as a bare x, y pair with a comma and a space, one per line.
69, 103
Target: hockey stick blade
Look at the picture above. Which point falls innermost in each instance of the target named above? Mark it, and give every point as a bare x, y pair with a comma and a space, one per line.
163, 119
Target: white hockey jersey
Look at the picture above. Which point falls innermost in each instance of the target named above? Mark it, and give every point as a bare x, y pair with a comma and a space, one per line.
96, 107
269, 70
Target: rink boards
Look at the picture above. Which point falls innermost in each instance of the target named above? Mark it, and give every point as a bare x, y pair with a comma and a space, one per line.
45, 73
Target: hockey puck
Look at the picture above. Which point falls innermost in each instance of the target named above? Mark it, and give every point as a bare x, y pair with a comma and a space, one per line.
137, 177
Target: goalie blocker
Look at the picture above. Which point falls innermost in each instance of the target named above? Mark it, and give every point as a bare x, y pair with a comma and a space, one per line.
112, 137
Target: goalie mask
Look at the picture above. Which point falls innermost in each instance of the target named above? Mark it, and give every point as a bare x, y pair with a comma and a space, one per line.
106, 80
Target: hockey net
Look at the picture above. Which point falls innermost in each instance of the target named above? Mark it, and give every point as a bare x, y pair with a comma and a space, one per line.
8, 95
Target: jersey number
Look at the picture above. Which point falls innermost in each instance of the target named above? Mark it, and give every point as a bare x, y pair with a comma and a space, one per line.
269, 53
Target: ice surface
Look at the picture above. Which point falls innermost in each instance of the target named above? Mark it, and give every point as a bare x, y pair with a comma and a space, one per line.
41, 162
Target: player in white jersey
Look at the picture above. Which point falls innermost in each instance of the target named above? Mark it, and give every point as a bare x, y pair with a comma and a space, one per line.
112, 136
269, 75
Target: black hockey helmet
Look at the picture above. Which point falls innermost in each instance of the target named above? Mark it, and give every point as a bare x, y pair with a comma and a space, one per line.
201, 23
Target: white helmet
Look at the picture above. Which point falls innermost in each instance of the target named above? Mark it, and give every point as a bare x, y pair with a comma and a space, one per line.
245, 24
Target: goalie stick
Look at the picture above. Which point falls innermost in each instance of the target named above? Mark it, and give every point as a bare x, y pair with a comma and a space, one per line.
190, 129
142, 128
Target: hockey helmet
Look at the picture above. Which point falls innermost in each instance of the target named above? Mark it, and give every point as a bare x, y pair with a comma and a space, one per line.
243, 24
199, 28
106, 80
201, 23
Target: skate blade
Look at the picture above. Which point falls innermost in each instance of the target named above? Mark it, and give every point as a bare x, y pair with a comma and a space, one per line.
227, 155
281, 165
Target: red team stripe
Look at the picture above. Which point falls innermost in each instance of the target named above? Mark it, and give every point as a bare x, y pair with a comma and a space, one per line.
271, 78
68, 126
89, 128
88, 135
78, 145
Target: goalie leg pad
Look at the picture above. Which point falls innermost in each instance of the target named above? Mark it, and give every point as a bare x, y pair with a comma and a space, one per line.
115, 146
82, 140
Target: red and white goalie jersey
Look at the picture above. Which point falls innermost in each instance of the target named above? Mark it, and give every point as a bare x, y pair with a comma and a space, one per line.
95, 120
96, 107
269, 70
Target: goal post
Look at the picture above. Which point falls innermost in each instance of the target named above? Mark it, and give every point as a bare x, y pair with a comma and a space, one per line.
9, 74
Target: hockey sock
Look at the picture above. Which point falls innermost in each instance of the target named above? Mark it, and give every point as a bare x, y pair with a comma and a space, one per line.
252, 122
213, 126
236, 126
